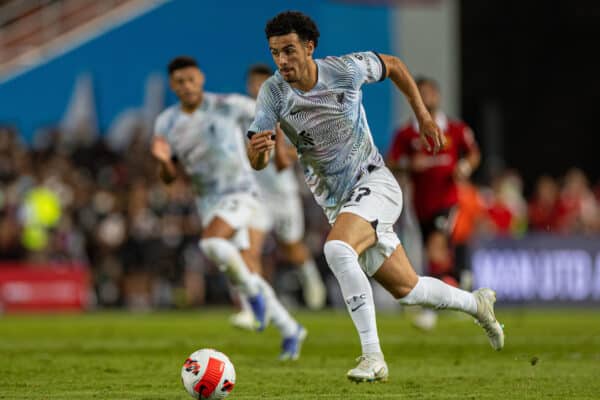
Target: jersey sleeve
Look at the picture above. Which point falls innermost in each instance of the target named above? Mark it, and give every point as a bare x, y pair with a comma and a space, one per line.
365, 67
267, 109
160, 125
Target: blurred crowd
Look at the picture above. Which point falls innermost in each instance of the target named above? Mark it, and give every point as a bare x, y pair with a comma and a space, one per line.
569, 205
86, 203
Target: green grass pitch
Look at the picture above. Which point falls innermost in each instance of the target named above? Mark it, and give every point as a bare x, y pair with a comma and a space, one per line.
549, 354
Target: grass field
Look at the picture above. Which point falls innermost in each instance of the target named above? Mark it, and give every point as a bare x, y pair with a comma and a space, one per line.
139, 356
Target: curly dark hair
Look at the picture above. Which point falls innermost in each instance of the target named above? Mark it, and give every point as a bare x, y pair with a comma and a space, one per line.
293, 22
181, 62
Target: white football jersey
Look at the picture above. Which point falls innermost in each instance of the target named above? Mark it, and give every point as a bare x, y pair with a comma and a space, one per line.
210, 145
327, 124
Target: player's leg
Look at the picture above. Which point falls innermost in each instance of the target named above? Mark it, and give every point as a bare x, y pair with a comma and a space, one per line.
438, 249
222, 237
350, 236
289, 231
398, 277
313, 288
440, 262
292, 332
218, 248
252, 255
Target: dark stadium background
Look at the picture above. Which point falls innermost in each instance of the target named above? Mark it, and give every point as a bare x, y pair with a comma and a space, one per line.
533, 69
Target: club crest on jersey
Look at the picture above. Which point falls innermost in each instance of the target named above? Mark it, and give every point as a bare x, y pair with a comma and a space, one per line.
340, 98
306, 139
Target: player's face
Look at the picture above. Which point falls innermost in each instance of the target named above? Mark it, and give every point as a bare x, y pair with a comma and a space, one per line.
431, 96
254, 82
188, 84
291, 55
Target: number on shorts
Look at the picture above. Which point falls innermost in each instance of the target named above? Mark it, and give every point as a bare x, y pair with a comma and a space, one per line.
362, 192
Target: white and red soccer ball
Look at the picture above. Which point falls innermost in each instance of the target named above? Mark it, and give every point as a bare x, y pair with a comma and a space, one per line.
208, 374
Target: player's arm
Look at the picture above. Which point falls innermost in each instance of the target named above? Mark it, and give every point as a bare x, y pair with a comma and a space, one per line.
472, 156
259, 148
395, 69
285, 153
167, 170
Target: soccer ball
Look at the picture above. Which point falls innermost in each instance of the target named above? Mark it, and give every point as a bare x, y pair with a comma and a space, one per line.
208, 374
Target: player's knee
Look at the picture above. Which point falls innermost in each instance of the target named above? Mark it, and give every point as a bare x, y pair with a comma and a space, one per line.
336, 252
295, 252
216, 249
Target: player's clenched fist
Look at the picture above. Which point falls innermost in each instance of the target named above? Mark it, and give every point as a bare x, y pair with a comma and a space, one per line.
262, 141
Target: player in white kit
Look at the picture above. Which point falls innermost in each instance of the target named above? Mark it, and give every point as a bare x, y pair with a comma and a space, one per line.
202, 134
318, 103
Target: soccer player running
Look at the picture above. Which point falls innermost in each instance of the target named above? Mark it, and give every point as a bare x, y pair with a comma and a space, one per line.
202, 133
280, 193
434, 177
318, 105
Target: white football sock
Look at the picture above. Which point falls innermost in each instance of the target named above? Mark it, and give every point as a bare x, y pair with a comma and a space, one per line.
357, 292
244, 304
228, 258
308, 270
278, 314
242, 298
434, 293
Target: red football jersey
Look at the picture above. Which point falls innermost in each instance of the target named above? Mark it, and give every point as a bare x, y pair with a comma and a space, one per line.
434, 186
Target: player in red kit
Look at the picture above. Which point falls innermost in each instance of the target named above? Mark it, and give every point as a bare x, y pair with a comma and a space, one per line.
434, 177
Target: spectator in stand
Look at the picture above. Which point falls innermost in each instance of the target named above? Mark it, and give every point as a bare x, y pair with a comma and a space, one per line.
506, 205
582, 210
546, 212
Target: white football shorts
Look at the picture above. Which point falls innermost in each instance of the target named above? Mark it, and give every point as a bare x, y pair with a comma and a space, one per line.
377, 198
283, 214
238, 210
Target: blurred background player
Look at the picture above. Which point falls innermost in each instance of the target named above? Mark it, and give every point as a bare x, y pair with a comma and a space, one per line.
283, 213
202, 133
435, 181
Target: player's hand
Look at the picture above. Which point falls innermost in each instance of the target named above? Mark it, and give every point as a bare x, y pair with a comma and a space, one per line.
161, 149
262, 142
430, 130
463, 170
